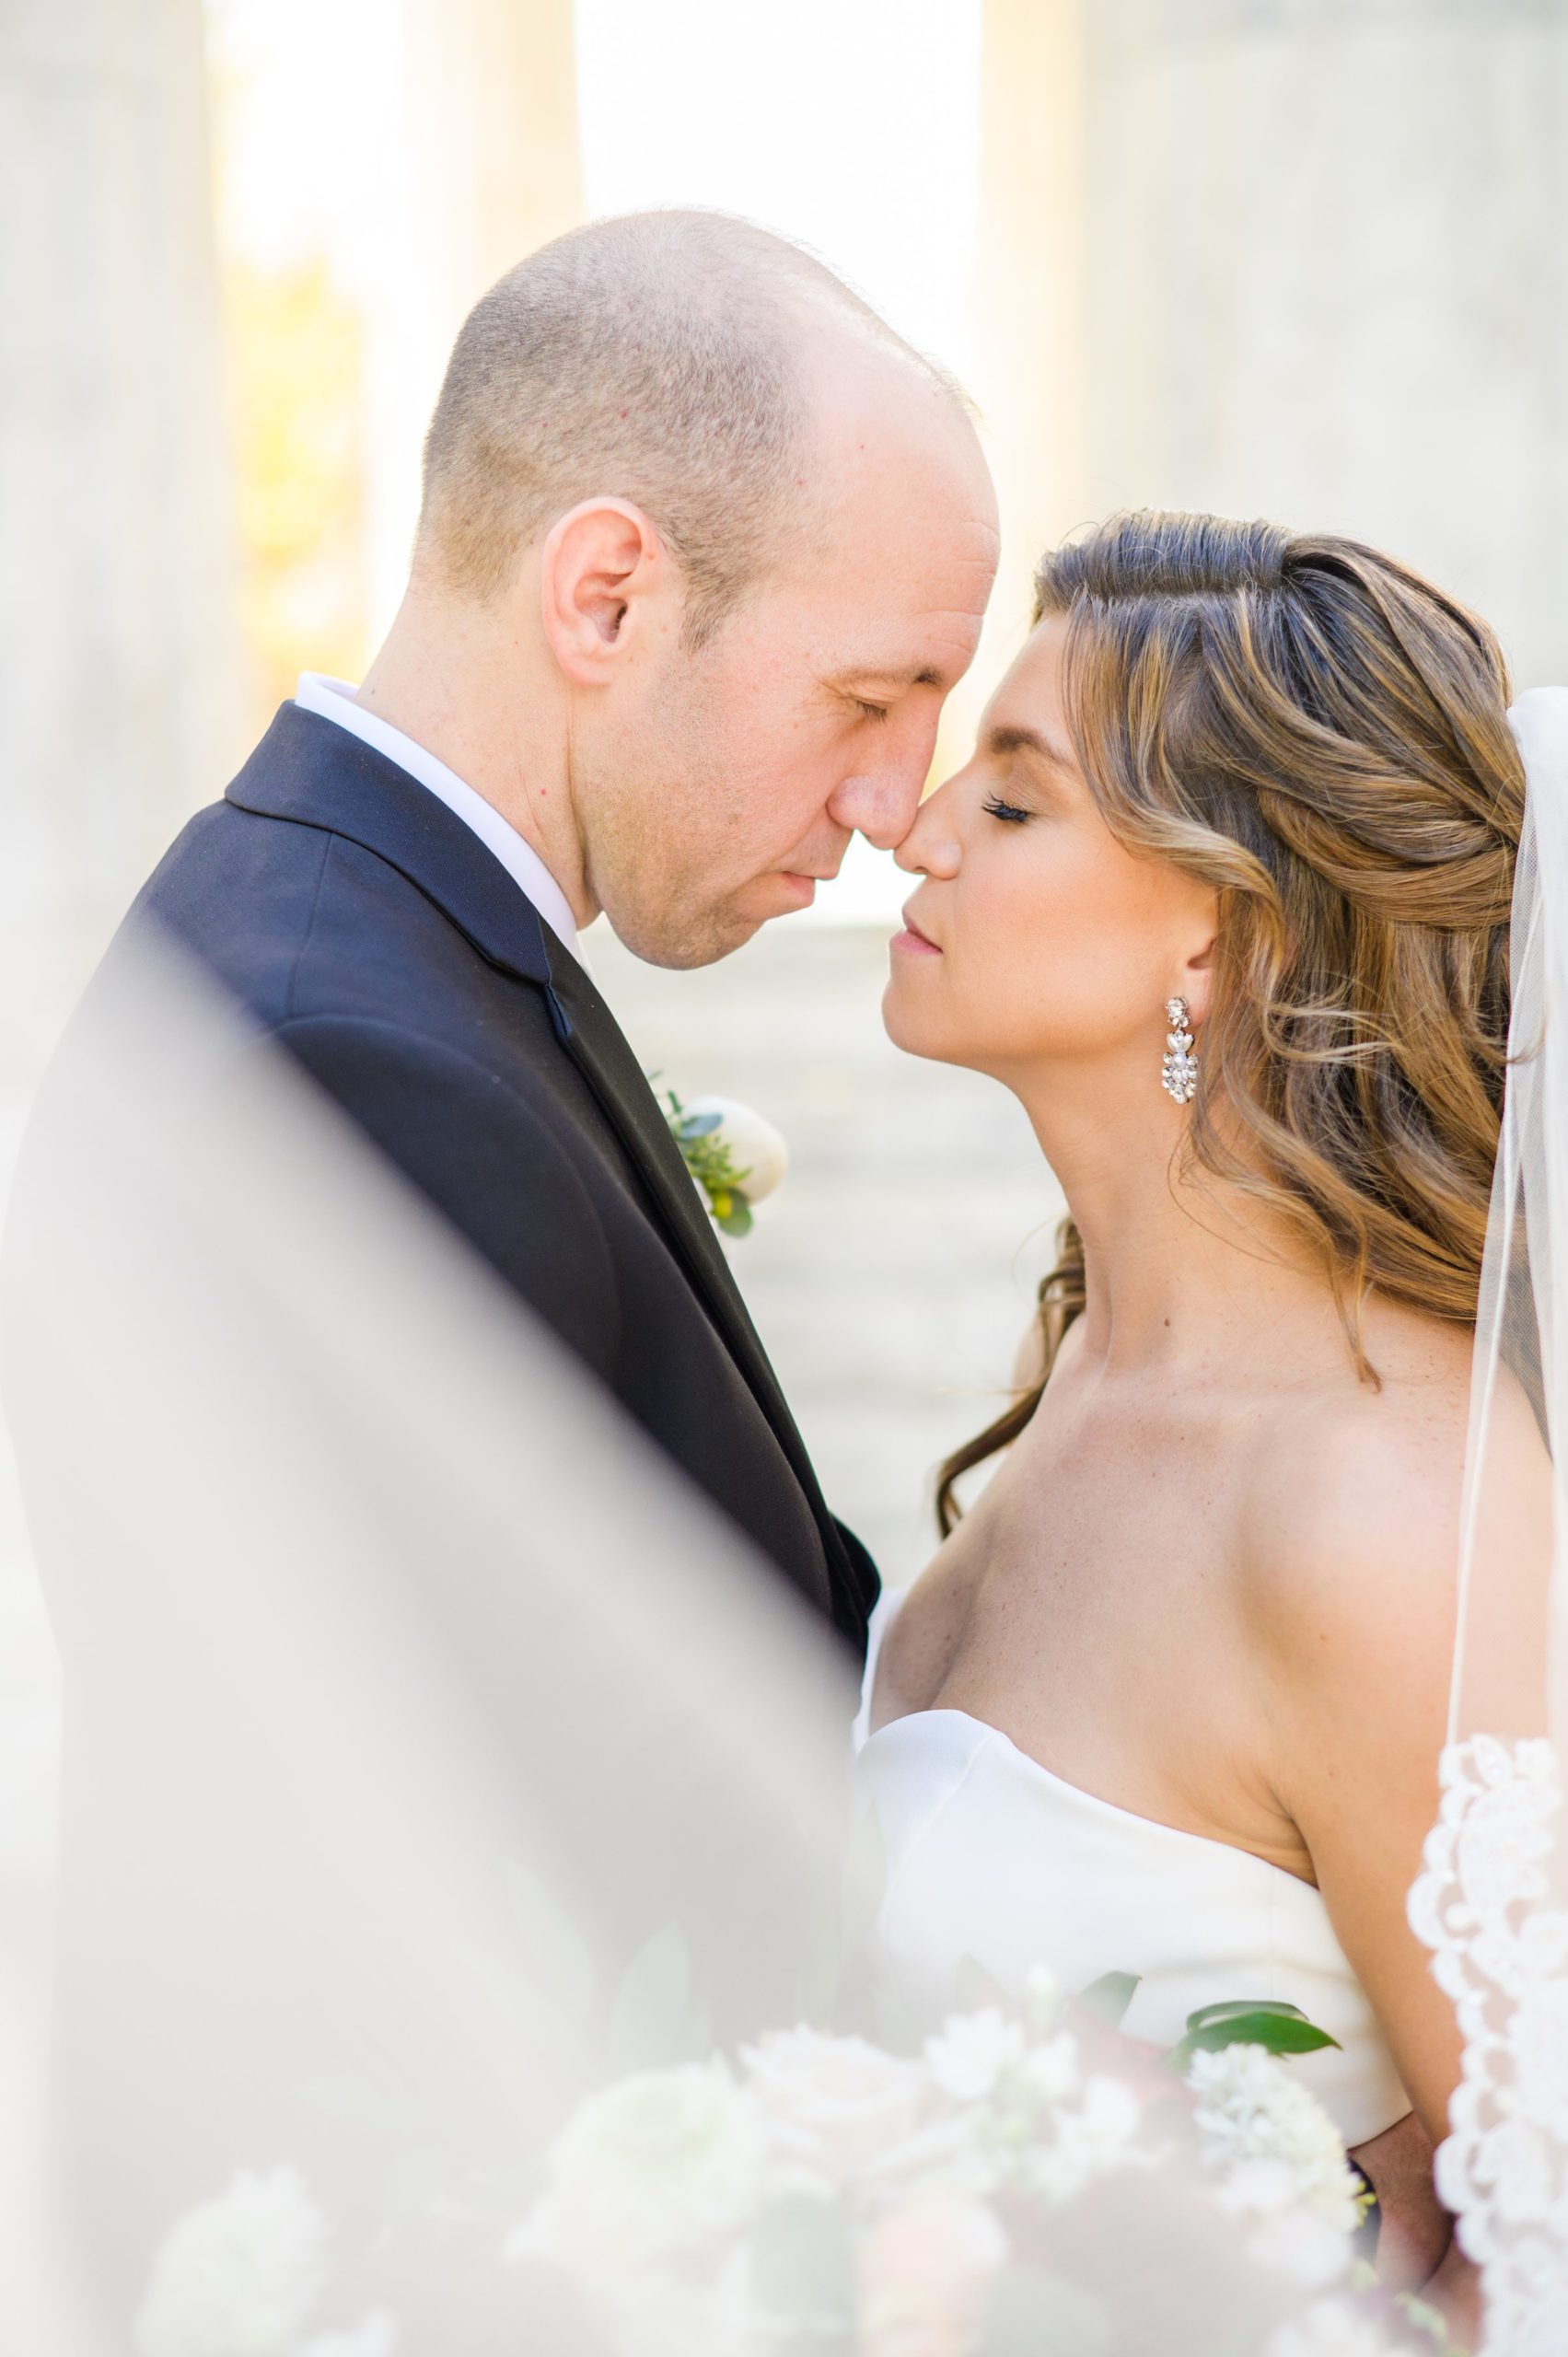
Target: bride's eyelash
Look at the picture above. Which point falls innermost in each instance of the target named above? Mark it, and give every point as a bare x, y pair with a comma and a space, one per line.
1007, 810
871, 711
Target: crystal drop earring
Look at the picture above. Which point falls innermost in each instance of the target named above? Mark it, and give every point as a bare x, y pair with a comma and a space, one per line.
1179, 1072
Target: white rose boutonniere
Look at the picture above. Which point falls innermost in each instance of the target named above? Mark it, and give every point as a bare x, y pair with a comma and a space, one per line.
733, 1154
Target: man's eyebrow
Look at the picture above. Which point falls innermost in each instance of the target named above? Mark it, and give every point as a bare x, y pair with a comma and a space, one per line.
890, 676
1012, 737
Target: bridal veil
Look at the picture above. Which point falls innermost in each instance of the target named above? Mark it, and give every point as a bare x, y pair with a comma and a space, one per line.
1493, 1900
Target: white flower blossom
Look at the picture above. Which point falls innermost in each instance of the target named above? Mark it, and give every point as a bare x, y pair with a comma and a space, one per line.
970, 2051
1050, 2071
240, 2275
661, 2166
1332, 2329
1250, 2108
1043, 1997
1091, 2140
1279, 2230
757, 1150
835, 2109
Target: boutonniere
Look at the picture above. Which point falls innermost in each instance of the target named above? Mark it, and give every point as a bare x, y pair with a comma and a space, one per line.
734, 1156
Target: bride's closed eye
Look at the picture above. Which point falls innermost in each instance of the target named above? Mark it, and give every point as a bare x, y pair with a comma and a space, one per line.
1009, 811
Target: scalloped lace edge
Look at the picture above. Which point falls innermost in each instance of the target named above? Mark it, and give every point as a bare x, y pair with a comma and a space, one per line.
1487, 1907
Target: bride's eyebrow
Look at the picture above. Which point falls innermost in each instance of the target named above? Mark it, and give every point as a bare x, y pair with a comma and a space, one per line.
1012, 737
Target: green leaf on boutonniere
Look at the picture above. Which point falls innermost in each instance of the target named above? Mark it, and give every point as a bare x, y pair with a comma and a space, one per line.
1267, 2022
712, 1165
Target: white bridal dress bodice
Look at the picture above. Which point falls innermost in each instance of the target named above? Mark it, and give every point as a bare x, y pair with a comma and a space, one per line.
990, 1857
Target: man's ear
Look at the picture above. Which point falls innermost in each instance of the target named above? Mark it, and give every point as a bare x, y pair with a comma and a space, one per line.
598, 562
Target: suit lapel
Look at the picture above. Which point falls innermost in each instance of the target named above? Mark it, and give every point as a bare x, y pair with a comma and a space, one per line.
309, 770
594, 1039
590, 1033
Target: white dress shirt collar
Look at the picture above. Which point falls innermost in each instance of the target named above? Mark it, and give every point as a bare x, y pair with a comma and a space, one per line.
335, 700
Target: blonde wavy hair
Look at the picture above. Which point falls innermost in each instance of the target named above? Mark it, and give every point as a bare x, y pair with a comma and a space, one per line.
1322, 736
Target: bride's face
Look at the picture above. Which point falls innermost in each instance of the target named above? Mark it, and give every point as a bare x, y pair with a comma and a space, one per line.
1036, 941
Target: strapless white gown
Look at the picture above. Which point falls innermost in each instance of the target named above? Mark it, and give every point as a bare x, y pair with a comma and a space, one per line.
992, 1858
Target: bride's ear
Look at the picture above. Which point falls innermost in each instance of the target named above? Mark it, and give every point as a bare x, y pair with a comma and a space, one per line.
1198, 981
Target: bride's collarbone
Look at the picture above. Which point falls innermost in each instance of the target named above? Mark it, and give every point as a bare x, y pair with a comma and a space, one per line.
1089, 1608
1142, 1722
1103, 1602
1082, 1608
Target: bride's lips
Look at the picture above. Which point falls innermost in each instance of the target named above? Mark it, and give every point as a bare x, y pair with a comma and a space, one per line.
913, 942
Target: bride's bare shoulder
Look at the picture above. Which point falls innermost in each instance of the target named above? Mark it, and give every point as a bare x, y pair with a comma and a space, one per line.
1349, 1530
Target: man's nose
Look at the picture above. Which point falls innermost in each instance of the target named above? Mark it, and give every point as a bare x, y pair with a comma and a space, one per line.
880, 807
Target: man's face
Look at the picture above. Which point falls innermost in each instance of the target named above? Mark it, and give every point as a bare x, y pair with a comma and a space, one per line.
726, 782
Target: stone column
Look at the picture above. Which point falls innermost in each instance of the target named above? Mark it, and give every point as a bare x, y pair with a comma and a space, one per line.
493, 172
1030, 378
118, 651
1327, 273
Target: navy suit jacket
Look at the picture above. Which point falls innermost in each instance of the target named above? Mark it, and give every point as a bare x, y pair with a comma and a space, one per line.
371, 933
371, 937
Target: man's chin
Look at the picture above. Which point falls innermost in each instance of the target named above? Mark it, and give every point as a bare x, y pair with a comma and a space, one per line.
701, 937
700, 941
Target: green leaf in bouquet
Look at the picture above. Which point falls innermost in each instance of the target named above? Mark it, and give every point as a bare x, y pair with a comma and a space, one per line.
819, 1980
1032, 2313
1267, 2022
864, 1882
862, 1887
736, 1220
699, 1125
803, 2277
655, 2017
835, 1987
1110, 1995
1235, 2007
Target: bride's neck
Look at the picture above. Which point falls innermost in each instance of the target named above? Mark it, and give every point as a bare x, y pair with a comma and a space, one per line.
1178, 1265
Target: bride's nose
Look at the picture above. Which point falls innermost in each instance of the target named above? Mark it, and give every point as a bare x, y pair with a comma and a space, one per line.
931, 846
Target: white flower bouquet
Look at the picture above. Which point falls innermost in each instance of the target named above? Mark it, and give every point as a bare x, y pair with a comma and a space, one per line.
1026, 2184
994, 2195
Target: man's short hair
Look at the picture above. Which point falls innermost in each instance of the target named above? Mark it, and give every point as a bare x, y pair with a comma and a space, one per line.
658, 358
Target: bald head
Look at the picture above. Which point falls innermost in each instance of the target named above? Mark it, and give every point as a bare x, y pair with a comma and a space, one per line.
672, 359
703, 547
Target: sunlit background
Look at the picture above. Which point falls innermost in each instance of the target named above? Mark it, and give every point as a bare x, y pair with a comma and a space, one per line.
1306, 258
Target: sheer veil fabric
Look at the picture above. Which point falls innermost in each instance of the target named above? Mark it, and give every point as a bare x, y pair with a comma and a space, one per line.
432, 1759
1492, 1900
409, 1701
412, 1702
